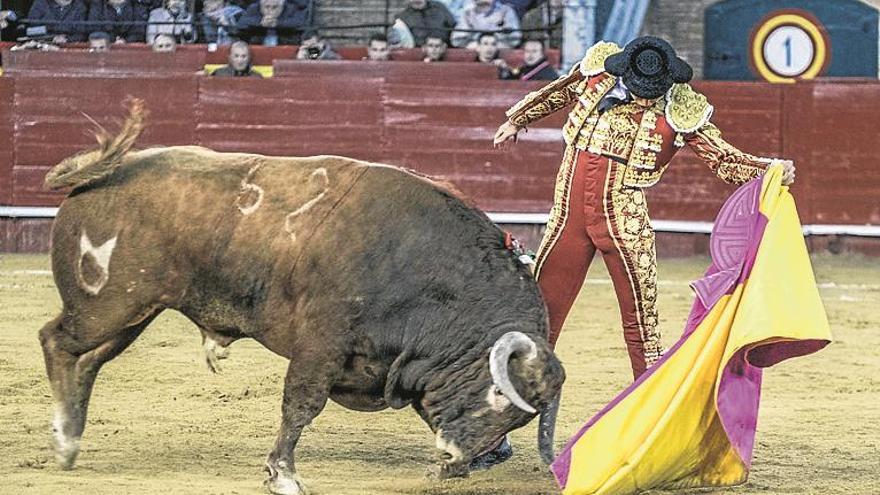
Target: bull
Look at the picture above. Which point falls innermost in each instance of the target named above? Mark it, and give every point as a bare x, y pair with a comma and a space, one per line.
381, 287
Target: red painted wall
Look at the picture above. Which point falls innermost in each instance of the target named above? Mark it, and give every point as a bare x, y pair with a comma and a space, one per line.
436, 118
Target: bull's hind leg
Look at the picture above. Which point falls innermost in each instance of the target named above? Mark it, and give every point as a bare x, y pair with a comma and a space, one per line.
73, 360
310, 377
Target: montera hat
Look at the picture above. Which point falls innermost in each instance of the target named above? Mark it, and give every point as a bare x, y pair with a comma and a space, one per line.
649, 67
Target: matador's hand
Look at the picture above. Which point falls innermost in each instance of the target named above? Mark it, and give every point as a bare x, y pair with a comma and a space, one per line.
787, 172
506, 132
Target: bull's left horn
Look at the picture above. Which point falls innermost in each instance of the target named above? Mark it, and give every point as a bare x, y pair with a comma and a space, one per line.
506, 346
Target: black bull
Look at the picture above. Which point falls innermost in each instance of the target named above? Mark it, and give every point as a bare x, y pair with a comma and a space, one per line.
382, 288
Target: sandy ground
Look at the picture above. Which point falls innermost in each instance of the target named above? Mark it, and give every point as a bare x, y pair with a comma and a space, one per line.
160, 422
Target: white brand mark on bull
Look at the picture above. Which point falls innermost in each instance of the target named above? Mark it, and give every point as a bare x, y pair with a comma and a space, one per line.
101, 255
318, 174
246, 188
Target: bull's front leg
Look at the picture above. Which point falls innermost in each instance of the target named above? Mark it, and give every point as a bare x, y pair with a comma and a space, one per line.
307, 386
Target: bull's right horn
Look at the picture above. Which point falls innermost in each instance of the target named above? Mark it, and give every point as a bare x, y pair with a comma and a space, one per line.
506, 346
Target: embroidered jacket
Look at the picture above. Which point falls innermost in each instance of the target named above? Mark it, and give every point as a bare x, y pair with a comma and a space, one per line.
644, 139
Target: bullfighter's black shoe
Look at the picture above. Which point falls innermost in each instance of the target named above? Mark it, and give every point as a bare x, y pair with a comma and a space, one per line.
492, 458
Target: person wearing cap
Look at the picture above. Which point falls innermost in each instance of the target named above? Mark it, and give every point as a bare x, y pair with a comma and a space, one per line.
633, 110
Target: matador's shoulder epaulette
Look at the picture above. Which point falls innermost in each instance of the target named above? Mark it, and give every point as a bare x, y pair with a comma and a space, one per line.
594, 60
687, 110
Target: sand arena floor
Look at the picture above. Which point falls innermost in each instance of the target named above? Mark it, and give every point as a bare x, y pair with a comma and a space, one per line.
161, 423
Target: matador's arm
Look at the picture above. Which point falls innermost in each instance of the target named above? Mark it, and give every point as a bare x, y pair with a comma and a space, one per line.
729, 163
547, 100
688, 112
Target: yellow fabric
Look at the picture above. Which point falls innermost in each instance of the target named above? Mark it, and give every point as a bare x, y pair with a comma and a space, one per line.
667, 432
264, 70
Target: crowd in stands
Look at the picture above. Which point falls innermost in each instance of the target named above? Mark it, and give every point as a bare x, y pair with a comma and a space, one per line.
484, 26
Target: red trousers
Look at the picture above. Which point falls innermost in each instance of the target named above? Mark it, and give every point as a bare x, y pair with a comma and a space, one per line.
593, 211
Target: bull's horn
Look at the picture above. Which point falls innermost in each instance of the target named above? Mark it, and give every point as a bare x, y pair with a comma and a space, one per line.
546, 431
507, 345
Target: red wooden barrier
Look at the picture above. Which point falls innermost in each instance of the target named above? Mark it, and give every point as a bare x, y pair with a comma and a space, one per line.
113, 63
50, 124
439, 119
7, 90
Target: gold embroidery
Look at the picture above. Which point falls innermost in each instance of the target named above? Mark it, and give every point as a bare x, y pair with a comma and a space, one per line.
594, 60
613, 133
559, 211
547, 100
647, 143
729, 163
579, 120
636, 243
686, 110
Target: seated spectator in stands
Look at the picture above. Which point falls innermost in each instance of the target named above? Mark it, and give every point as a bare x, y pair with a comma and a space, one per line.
8, 25
164, 43
487, 16
217, 20
456, 7
313, 47
377, 49
535, 65
419, 18
120, 18
522, 6
273, 22
545, 22
434, 49
173, 19
99, 42
488, 52
239, 62
66, 18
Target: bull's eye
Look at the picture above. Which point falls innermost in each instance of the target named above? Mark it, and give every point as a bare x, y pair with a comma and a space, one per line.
498, 391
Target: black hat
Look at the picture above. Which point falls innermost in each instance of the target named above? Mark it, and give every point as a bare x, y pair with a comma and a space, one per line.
649, 67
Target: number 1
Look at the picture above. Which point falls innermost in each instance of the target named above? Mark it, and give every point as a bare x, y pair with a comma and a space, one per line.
787, 45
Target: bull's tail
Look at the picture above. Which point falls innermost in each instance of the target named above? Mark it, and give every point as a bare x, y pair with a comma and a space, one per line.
92, 165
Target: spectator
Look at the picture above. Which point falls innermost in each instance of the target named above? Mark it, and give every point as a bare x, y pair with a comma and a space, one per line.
421, 17
144, 7
8, 25
535, 65
99, 42
545, 23
487, 16
488, 53
239, 62
121, 18
164, 43
217, 20
434, 48
273, 22
172, 19
377, 49
456, 7
65, 16
522, 6
315, 48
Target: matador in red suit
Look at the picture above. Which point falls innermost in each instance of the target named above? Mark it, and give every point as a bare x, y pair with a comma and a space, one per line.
633, 110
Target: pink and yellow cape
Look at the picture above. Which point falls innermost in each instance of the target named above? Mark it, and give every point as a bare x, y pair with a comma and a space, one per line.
690, 420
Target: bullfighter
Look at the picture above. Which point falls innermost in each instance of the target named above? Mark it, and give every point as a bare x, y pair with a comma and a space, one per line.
633, 110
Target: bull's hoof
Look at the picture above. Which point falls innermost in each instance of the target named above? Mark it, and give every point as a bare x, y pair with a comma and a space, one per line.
214, 352
492, 458
445, 471
66, 450
286, 485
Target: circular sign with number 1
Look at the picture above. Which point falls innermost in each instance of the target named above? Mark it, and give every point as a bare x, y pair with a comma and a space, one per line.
787, 46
